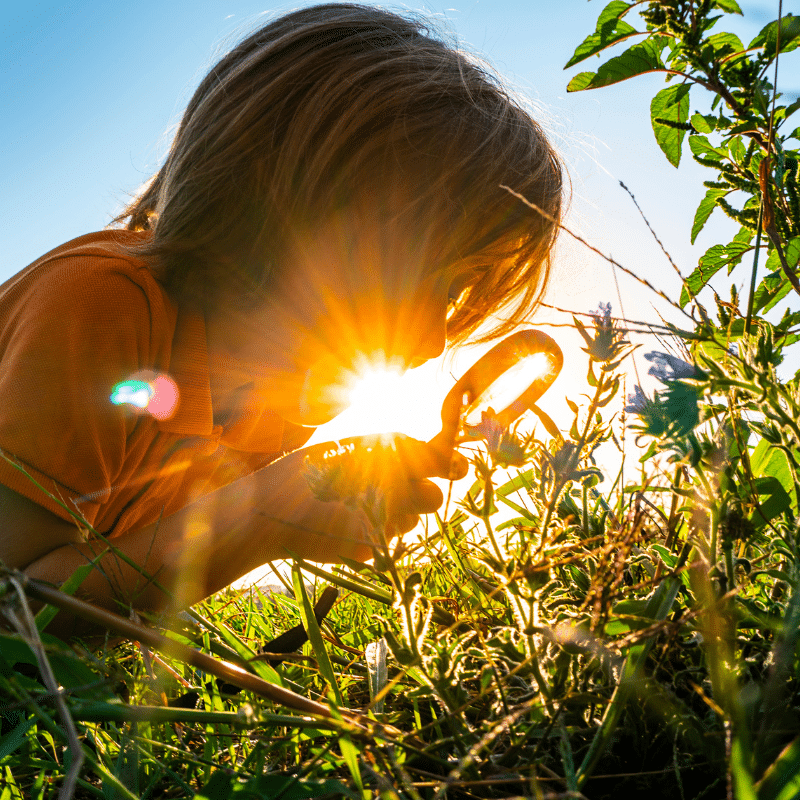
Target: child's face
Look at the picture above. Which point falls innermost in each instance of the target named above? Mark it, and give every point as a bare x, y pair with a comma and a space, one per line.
349, 291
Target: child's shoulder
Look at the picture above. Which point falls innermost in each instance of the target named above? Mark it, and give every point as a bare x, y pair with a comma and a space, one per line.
100, 268
107, 250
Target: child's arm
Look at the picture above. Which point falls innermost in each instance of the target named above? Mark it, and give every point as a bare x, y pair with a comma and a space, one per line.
209, 544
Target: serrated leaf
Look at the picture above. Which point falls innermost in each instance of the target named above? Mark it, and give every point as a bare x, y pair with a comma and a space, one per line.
701, 122
700, 146
670, 104
723, 44
637, 60
707, 205
731, 6
768, 36
737, 149
612, 12
711, 262
771, 291
791, 252
775, 285
610, 30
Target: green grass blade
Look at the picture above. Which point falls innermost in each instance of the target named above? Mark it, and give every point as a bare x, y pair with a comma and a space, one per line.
352, 585
70, 586
657, 609
244, 652
314, 633
781, 781
350, 755
743, 788
10, 742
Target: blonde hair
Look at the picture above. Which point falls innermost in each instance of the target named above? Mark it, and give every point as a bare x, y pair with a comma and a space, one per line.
305, 113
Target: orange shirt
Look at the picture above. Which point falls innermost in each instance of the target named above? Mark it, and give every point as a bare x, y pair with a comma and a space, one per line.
73, 325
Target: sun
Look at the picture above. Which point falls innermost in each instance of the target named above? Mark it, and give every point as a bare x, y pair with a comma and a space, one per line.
375, 388
383, 398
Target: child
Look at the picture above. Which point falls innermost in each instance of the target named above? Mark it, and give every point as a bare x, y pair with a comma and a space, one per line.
333, 193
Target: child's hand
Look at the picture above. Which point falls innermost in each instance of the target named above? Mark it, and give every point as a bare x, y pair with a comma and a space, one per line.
391, 467
409, 493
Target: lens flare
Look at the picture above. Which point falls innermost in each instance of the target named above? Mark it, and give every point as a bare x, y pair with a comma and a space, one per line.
158, 395
134, 393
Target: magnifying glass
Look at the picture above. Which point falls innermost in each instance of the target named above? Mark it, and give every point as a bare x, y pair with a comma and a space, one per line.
508, 379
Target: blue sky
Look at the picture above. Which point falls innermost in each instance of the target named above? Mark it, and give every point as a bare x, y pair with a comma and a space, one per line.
91, 90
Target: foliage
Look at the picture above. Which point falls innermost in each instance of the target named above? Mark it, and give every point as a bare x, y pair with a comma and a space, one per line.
544, 637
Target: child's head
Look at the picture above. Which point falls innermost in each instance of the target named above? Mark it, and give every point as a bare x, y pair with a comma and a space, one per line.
345, 106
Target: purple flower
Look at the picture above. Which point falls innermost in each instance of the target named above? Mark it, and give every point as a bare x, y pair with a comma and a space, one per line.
602, 317
667, 367
608, 346
490, 429
503, 445
637, 402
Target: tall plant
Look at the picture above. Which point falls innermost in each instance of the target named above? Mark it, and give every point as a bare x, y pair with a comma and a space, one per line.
745, 139
725, 419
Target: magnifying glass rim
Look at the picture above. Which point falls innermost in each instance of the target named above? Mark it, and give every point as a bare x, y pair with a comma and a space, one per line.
489, 367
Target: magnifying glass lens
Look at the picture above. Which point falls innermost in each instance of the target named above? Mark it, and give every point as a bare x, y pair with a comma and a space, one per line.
509, 379
508, 386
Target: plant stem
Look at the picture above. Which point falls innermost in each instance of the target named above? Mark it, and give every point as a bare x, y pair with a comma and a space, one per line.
753, 273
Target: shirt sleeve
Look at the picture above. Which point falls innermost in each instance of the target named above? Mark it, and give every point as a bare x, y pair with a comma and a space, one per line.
69, 337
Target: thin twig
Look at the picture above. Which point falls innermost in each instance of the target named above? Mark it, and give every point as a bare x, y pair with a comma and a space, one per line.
655, 236
232, 673
26, 627
589, 314
595, 250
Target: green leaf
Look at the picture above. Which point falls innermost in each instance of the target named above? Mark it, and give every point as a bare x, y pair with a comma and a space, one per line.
791, 252
768, 37
637, 60
781, 781
610, 30
737, 149
775, 286
670, 104
314, 634
769, 461
522, 480
217, 788
287, 787
707, 205
581, 81
740, 770
15, 737
731, 6
777, 500
721, 45
350, 755
711, 262
46, 614
700, 146
703, 123
771, 291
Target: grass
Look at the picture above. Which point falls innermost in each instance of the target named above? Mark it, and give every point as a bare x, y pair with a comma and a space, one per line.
606, 656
